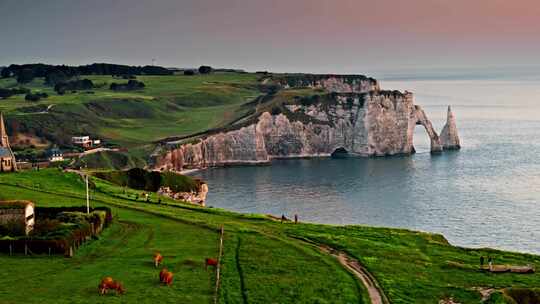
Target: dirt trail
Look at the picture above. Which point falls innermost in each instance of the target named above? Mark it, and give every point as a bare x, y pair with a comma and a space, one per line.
376, 294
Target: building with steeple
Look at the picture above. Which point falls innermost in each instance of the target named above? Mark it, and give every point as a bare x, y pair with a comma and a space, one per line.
7, 158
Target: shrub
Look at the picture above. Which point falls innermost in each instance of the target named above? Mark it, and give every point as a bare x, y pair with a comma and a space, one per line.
205, 69
13, 228
45, 226
141, 179
36, 96
5, 93
84, 84
129, 86
189, 72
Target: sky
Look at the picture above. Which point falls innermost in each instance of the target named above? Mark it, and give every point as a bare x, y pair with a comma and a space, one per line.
318, 36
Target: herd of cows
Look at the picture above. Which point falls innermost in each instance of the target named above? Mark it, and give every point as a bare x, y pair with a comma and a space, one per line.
165, 276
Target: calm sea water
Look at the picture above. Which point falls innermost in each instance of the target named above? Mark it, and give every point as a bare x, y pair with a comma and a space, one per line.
487, 194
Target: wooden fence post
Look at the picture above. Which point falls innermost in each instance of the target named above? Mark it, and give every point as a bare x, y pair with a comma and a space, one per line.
219, 264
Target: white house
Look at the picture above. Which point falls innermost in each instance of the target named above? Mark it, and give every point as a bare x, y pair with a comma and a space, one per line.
55, 155
83, 141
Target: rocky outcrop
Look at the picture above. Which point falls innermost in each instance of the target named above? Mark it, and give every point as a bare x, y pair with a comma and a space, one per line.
194, 197
449, 134
377, 123
421, 119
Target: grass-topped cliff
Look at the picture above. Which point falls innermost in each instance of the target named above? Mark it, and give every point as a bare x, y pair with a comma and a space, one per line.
264, 261
156, 108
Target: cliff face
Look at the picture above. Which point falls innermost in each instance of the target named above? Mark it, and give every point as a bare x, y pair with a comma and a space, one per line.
355, 117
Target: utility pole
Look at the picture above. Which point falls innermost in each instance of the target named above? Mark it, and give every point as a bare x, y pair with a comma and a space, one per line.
87, 197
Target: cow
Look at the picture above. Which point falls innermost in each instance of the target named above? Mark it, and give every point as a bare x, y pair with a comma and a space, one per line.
158, 258
210, 262
166, 277
162, 274
108, 283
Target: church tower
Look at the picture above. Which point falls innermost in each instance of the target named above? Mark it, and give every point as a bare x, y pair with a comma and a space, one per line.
7, 158
4, 140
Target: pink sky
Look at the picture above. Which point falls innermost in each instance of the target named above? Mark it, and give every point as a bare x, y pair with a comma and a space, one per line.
286, 35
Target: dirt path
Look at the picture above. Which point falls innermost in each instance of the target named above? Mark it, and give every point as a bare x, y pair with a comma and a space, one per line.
376, 294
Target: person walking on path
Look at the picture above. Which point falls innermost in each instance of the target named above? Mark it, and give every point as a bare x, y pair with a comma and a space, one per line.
490, 262
283, 218
296, 218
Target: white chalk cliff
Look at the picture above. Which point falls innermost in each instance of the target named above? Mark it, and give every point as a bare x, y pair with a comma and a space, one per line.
353, 116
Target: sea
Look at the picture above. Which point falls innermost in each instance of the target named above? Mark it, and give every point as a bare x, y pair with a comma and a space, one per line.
485, 195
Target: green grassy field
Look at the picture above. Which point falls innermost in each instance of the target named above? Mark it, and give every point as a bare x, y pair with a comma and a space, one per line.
264, 261
124, 252
174, 105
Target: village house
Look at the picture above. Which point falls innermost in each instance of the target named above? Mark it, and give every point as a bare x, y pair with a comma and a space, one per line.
54, 155
85, 141
7, 158
18, 214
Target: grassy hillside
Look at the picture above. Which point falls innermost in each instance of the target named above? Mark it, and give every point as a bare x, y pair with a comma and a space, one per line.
124, 251
264, 261
167, 106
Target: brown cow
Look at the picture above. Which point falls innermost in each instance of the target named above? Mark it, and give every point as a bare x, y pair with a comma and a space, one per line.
210, 262
162, 274
166, 277
108, 283
158, 258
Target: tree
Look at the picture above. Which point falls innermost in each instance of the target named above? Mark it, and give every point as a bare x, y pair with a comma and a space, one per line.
25, 76
32, 97
55, 77
5, 73
189, 72
204, 69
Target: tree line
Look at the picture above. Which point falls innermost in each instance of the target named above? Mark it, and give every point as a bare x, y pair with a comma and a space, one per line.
59, 73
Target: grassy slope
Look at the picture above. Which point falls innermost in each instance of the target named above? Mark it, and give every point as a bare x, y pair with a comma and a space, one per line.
412, 267
169, 105
297, 274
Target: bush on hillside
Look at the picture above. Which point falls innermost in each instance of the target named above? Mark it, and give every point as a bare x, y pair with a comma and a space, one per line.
141, 179
189, 72
129, 86
75, 85
5, 93
35, 96
205, 69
